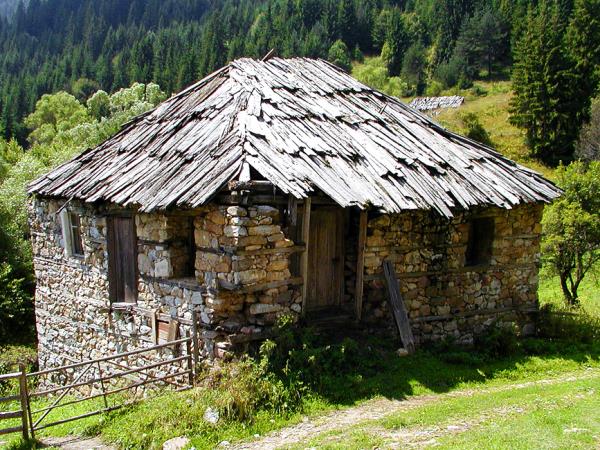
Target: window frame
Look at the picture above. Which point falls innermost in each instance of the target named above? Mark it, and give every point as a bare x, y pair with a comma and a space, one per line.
72, 235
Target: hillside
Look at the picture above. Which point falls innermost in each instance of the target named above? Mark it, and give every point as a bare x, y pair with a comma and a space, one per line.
102, 44
8, 7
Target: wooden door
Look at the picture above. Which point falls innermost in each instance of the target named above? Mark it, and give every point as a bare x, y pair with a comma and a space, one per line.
325, 259
122, 259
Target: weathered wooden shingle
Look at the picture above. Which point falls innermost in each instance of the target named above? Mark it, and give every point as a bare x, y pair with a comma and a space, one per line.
302, 124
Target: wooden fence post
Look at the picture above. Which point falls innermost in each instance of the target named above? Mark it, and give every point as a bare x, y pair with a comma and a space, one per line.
190, 363
195, 342
102, 385
24, 402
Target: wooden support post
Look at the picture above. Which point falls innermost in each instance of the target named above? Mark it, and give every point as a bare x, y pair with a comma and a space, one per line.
292, 232
195, 343
24, 401
360, 262
398, 307
304, 258
190, 363
102, 385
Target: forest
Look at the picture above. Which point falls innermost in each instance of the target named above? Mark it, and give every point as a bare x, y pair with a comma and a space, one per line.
103, 61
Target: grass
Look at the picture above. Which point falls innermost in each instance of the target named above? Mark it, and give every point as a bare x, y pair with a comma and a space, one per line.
151, 422
564, 414
589, 292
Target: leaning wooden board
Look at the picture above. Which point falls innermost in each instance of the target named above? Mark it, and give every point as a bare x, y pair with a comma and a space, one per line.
398, 307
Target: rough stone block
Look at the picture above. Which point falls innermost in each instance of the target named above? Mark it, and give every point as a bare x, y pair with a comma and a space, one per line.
264, 308
250, 276
237, 211
263, 230
235, 231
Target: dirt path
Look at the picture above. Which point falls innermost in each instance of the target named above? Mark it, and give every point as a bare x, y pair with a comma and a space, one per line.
76, 443
377, 409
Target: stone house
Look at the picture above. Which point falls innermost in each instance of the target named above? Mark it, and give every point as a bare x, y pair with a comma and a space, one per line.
276, 188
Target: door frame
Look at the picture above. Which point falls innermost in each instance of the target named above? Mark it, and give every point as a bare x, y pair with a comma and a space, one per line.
360, 265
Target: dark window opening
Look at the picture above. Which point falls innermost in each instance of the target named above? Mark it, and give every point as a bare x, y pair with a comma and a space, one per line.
189, 268
481, 238
75, 230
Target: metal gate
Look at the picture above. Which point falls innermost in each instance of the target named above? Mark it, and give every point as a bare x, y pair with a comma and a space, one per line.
97, 378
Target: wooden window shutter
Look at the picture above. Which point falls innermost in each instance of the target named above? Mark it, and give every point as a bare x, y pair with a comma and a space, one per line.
122, 259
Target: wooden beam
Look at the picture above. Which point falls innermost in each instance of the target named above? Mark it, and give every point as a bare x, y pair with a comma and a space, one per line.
304, 257
360, 262
398, 307
250, 185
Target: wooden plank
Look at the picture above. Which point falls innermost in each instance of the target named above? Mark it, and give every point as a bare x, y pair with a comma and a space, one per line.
104, 358
173, 330
304, 257
360, 262
325, 276
270, 251
10, 414
398, 308
11, 430
24, 401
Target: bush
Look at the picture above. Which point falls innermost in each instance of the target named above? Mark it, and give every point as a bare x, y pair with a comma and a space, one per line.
497, 341
570, 325
16, 308
474, 130
340, 56
434, 89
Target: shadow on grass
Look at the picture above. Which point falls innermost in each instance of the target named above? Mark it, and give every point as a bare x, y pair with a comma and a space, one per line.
376, 370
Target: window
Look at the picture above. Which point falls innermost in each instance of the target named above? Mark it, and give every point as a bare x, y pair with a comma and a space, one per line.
71, 228
122, 259
481, 238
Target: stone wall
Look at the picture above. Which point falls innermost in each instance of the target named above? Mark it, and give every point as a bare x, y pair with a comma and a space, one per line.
74, 318
444, 296
238, 281
231, 265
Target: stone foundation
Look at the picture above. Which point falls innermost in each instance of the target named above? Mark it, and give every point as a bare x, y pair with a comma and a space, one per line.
232, 266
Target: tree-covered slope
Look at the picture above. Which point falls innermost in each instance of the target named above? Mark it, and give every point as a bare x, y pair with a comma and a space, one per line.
83, 45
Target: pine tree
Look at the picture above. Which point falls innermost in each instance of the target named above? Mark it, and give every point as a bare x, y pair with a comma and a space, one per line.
396, 43
543, 103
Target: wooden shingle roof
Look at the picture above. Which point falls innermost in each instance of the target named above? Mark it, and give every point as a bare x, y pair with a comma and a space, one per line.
302, 124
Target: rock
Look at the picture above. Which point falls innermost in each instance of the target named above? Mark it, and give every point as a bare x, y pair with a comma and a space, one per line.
163, 269
267, 211
402, 352
235, 231
264, 308
263, 230
177, 443
211, 415
250, 276
237, 211
528, 330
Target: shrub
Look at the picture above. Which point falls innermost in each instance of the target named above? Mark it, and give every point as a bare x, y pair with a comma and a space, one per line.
497, 341
474, 130
16, 307
568, 325
340, 56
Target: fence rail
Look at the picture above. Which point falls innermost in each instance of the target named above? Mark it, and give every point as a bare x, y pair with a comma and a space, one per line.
96, 375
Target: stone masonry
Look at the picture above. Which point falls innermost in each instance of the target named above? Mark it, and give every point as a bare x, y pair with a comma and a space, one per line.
232, 264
